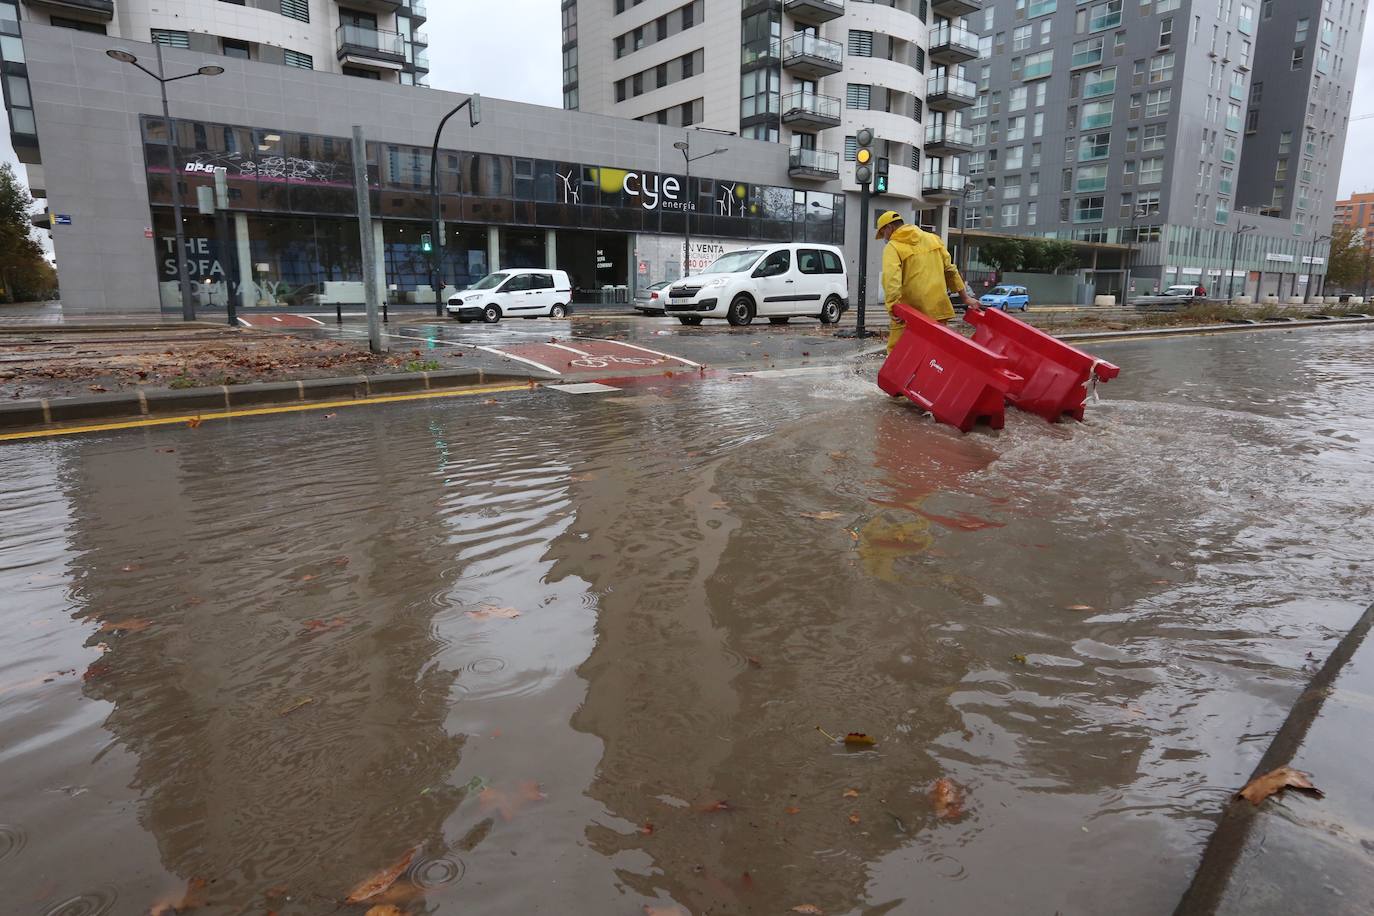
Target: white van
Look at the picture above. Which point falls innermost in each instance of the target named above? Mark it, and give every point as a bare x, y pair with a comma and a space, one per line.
516, 293
777, 282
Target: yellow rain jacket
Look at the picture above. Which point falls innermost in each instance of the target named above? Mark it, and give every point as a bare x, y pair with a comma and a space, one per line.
917, 270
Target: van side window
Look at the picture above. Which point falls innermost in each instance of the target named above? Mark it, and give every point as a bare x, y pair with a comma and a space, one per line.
542, 281
809, 261
517, 283
776, 264
833, 264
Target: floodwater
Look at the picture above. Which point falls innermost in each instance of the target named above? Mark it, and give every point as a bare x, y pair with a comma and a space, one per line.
247, 666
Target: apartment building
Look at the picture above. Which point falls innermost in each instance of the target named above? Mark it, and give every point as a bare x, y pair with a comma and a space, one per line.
1125, 121
1357, 211
803, 73
371, 39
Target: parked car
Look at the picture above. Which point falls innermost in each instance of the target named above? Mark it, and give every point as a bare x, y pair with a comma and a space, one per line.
519, 293
777, 282
649, 300
1179, 294
1006, 298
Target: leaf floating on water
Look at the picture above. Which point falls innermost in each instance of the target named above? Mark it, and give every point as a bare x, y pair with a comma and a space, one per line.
1018, 658
494, 613
839, 456
858, 739
330, 416
753, 662
792, 810
854, 819
299, 704
821, 516
321, 626
851, 793
810, 909
1275, 781
710, 807
340, 562
647, 829
193, 897
947, 798
1080, 607
379, 882
385, 909
474, 837
671, 909
194, 422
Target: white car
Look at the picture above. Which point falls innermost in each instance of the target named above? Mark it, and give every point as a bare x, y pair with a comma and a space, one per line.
516, 293
777, 282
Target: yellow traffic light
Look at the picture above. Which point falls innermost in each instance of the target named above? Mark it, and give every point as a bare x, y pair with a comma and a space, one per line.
864, 156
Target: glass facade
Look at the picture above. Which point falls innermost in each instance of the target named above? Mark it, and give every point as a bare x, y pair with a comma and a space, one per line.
292, 210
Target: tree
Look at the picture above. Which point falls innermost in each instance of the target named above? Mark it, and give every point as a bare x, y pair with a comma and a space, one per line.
1002, 254
1349, 259
23, 269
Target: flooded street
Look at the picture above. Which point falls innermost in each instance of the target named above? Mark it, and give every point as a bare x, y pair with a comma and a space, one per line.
573, 650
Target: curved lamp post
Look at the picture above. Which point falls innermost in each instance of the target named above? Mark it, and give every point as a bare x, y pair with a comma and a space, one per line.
188, 304
685, 145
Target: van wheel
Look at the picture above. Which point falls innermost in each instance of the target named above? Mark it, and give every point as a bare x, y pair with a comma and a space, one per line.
491, 314
831, 311
690, 320
780, 319
558, 311
741, 311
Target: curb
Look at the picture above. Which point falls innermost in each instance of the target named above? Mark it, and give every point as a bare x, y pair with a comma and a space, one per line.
151, 402
1147, 333
95, 328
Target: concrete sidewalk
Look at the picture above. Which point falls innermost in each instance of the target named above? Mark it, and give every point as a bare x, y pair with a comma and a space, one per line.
1297, 853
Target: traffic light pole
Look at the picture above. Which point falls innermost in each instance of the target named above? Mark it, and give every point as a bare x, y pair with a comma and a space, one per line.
860, 330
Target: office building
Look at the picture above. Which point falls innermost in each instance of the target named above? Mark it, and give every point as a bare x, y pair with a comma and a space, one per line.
529, 186
806, 74
1142, 122
371, 39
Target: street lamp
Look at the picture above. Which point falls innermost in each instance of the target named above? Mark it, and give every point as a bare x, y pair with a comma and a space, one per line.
685, 145
1235, 246
188, 303
963, 231
473, 104
1130, 251
1311, 267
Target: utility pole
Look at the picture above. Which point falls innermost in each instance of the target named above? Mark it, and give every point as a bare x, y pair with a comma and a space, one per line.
684, 146
863, 174
1235, 248
364, 194
1311, 268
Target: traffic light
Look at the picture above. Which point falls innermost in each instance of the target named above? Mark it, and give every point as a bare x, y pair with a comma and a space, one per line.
863, 155
426, 243
880, 176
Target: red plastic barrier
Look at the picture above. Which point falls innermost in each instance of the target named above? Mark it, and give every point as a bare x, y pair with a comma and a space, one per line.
1056, 374
944, 372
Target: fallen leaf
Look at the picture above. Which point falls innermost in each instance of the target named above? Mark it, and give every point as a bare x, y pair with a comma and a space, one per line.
859, 739
193, 897
167, 451
320, 626
340, 562
131, 567
838, 456
851, 793
710, 807
385, 909
821, 516
1275, 781
490, 401
1018, 658
810, 909
720, 505
647, 829
194, 422
671, 909
97, 388
853, 819
307, 578
1079, 607
753, 662
494, 613
380, 881
302, 702
133, 625
330, 416
582, 478
946, 798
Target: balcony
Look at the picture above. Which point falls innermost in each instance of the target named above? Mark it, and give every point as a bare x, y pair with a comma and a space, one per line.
813, 163
948, 140
361, 46
807, 111
814, 12
950, 93
953, 9
99, 9
812, 57
951, 45
419, 12
942, 185
376, 6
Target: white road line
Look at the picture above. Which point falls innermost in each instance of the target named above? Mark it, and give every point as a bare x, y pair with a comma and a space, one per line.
520, 359
570, 349
655, 352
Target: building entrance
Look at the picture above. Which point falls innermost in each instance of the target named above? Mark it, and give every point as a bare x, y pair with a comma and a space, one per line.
597, 262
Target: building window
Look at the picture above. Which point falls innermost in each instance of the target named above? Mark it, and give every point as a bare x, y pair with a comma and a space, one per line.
1157, 102
232, 47
1300, 32
858, 96
1094, 146
851, 148
1152, 170
1091, 178
296, 9
1297, 61
171, 39
1162, 68
1087, 53
62, 22
1011, 214
1099, 83
297, 59
1153, 137
1089, 209
860, 43
1166, 32
1038, 65
1097, 114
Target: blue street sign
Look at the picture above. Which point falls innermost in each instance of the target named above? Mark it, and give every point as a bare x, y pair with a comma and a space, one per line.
62, 219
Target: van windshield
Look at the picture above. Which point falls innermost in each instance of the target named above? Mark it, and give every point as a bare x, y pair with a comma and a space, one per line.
490, 281
734, 262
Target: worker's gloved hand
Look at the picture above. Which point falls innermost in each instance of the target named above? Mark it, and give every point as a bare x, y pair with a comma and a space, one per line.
969, 301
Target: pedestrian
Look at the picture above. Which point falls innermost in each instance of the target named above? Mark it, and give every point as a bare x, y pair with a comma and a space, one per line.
917, 270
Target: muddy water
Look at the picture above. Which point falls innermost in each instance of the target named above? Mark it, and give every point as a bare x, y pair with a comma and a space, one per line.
246, 667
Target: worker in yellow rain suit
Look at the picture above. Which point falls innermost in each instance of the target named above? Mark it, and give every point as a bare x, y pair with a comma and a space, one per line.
917, 270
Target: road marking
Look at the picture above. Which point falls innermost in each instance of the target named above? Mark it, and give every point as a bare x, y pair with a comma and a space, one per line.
261, 411
657, 353
569, 349
583, 388
520, 359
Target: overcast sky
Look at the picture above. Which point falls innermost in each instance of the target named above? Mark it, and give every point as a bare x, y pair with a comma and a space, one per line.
511, 49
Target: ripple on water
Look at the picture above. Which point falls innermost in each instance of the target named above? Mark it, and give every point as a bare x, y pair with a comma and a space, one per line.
91, 903
12, 841
439, 871
489, 665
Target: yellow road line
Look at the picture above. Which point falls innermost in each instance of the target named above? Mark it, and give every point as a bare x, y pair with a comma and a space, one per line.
260, 411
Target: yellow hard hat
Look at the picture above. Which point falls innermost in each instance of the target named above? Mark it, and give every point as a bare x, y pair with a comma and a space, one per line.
887, 219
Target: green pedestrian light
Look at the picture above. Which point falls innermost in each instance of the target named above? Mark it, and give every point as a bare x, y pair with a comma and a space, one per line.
426, 243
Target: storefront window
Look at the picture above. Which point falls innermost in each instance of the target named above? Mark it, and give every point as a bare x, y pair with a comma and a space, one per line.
522, 248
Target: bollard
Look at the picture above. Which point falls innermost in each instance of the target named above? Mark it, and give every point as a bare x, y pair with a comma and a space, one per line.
385, 318
338, 312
